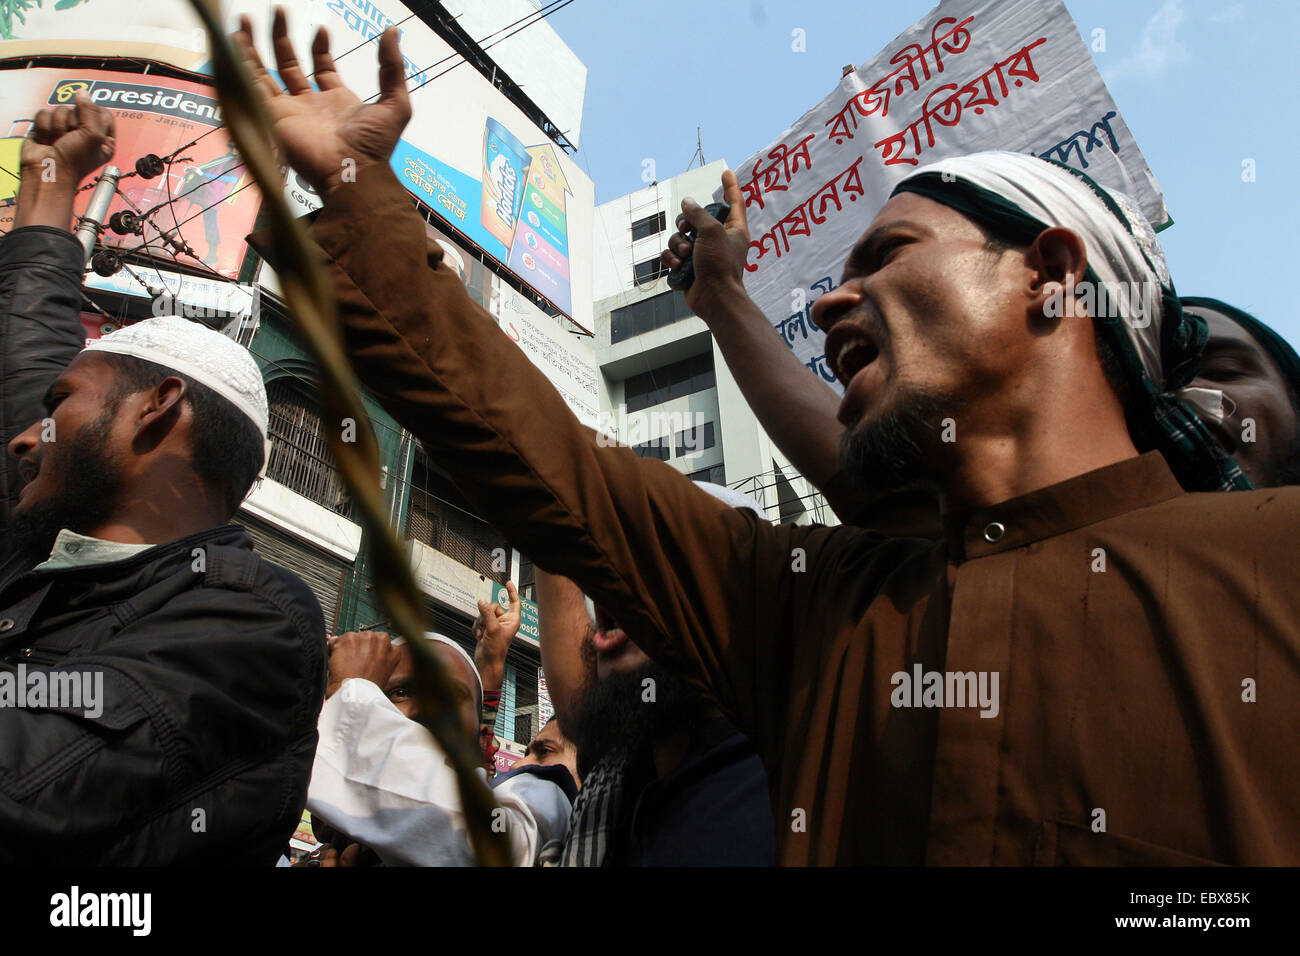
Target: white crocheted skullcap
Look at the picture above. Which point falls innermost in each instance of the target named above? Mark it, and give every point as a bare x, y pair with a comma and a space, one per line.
443, 639
196, 351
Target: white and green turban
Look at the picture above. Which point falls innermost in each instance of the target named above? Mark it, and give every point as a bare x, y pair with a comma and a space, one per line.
1016, 196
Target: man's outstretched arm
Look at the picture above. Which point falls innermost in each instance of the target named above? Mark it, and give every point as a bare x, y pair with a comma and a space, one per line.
678, 567
565, 627
41, 271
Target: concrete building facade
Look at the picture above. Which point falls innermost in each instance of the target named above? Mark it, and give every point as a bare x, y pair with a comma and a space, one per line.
665, 388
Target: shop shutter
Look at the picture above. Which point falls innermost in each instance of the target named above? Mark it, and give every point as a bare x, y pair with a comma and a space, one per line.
323, 573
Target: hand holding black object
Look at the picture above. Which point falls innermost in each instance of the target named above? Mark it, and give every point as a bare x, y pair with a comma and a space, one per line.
710, 246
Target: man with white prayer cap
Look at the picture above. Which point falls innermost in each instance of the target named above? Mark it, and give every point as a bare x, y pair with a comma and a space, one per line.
381, 779
1095, 663
198, 667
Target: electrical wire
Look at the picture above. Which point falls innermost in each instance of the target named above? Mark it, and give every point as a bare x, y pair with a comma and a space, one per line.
549, 9
551, 4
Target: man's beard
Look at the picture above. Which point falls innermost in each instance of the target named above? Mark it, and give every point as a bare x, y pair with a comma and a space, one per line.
1287, 470
900, 443
89, 486
614, 714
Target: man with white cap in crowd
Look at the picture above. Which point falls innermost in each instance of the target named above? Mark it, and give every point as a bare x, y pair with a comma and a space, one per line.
382, 780
1095, 663
159, 682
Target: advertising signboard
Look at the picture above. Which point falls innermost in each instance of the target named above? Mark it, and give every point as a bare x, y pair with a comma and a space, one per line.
468, 153
203, 192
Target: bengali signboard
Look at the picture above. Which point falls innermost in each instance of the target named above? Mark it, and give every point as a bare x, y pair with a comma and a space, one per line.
446, 579
971, 75
214, 301
545, 709
567, 360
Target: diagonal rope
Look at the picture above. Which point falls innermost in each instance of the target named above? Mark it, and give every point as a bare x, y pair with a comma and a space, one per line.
310, 302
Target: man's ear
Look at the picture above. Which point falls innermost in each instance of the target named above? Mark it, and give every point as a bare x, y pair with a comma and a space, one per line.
1057, 260
161, 410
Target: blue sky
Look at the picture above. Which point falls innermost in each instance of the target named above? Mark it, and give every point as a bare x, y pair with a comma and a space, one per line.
1202, 84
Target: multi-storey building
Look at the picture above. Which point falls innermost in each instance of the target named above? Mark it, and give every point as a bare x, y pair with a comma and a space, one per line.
666, 389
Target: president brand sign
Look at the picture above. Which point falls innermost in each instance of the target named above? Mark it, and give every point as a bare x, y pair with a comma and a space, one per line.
164, 100
204, 194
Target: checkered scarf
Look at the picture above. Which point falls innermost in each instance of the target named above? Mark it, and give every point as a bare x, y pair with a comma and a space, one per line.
596, 813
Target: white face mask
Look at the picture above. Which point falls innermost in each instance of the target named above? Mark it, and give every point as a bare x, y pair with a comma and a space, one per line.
1208, 402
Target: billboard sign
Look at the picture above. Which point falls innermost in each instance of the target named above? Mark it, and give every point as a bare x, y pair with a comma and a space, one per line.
203, 192
468, 153
567, 360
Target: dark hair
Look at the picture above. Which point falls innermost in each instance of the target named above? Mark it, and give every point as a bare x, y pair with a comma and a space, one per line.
227, 449
998, 242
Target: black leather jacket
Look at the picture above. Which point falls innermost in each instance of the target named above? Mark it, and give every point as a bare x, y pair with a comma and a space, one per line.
212, 670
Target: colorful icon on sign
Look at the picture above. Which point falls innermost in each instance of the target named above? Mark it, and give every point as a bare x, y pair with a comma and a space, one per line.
65, 91
541, 240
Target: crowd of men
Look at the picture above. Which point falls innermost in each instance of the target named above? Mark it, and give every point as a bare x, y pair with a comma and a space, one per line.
1058, 623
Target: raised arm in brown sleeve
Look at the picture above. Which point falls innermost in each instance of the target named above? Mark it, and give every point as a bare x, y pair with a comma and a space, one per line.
678, 568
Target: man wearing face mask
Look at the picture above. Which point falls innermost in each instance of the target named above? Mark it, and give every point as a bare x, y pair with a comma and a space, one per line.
1258, 373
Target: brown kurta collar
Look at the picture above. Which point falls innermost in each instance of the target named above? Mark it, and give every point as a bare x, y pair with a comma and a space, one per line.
1114, 490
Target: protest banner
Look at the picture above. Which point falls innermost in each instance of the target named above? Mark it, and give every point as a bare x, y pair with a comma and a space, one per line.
971, 75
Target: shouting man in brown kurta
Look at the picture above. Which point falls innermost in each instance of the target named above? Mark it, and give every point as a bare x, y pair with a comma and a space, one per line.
1094, 664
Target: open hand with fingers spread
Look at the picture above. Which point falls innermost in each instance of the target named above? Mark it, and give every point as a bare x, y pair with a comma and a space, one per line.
328, 134
719, 251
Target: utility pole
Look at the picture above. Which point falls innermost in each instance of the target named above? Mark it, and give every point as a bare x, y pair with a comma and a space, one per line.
699, 150
97, 209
